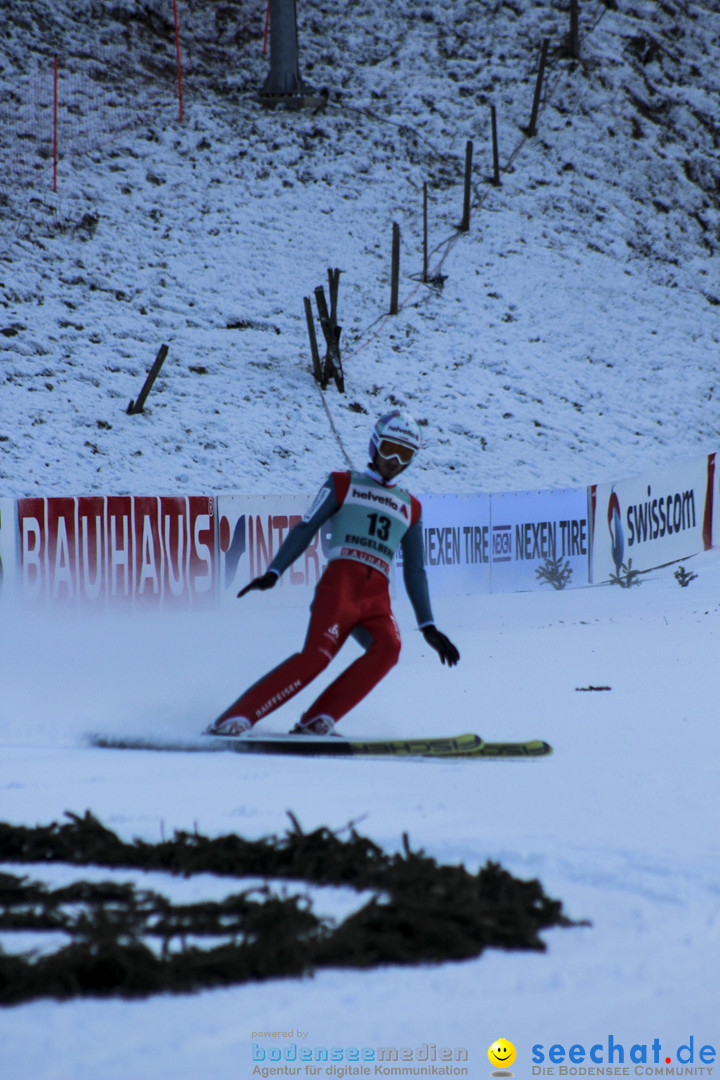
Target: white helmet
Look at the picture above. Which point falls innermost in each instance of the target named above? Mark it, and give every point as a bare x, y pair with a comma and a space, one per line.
397, 426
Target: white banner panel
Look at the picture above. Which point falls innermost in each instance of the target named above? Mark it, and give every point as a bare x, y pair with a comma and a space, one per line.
456, 534
251, 529
530, 529
653, 519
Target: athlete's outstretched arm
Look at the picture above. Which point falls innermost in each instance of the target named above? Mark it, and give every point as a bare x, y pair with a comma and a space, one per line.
417, 588
325, 504
414, 574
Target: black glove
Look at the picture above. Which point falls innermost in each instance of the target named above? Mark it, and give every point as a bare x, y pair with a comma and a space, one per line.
267, 581
442, 645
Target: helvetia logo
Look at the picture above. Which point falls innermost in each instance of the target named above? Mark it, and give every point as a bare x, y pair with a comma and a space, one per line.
372, 496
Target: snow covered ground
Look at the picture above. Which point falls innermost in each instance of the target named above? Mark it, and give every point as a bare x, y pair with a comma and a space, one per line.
575, 340
620, 823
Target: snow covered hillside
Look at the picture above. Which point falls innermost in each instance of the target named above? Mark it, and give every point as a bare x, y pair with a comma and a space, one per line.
574, 340
575, 337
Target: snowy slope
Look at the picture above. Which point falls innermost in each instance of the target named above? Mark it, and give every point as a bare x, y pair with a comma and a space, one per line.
575, 340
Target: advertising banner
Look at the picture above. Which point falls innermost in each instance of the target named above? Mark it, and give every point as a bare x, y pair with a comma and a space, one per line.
99, 549
649, 521
456, 534
194, 550
251, 528
536, 531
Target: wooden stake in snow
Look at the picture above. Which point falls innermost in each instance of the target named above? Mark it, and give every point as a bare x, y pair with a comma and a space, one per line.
332, 368
425, 233
317, 369
531, 129
465, 223
496, 155
137, 406
395, 269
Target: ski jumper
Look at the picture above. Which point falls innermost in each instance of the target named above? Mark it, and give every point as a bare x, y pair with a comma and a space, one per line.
370, 520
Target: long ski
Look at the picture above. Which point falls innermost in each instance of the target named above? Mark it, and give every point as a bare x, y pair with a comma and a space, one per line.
455, 746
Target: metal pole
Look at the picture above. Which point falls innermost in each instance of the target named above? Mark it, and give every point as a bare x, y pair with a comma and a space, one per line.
574, 30
284, 76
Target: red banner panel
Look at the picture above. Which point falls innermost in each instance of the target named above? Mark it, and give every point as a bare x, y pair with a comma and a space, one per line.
143, 550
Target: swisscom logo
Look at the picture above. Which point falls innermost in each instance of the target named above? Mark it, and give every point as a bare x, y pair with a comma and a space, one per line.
650, 519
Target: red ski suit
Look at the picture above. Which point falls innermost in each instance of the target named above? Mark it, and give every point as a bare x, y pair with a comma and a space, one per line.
350, 599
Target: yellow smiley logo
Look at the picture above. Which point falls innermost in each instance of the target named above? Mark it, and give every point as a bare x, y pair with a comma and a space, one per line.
502, 1053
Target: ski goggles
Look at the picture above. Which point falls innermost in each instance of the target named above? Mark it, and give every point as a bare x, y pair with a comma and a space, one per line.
389, 449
